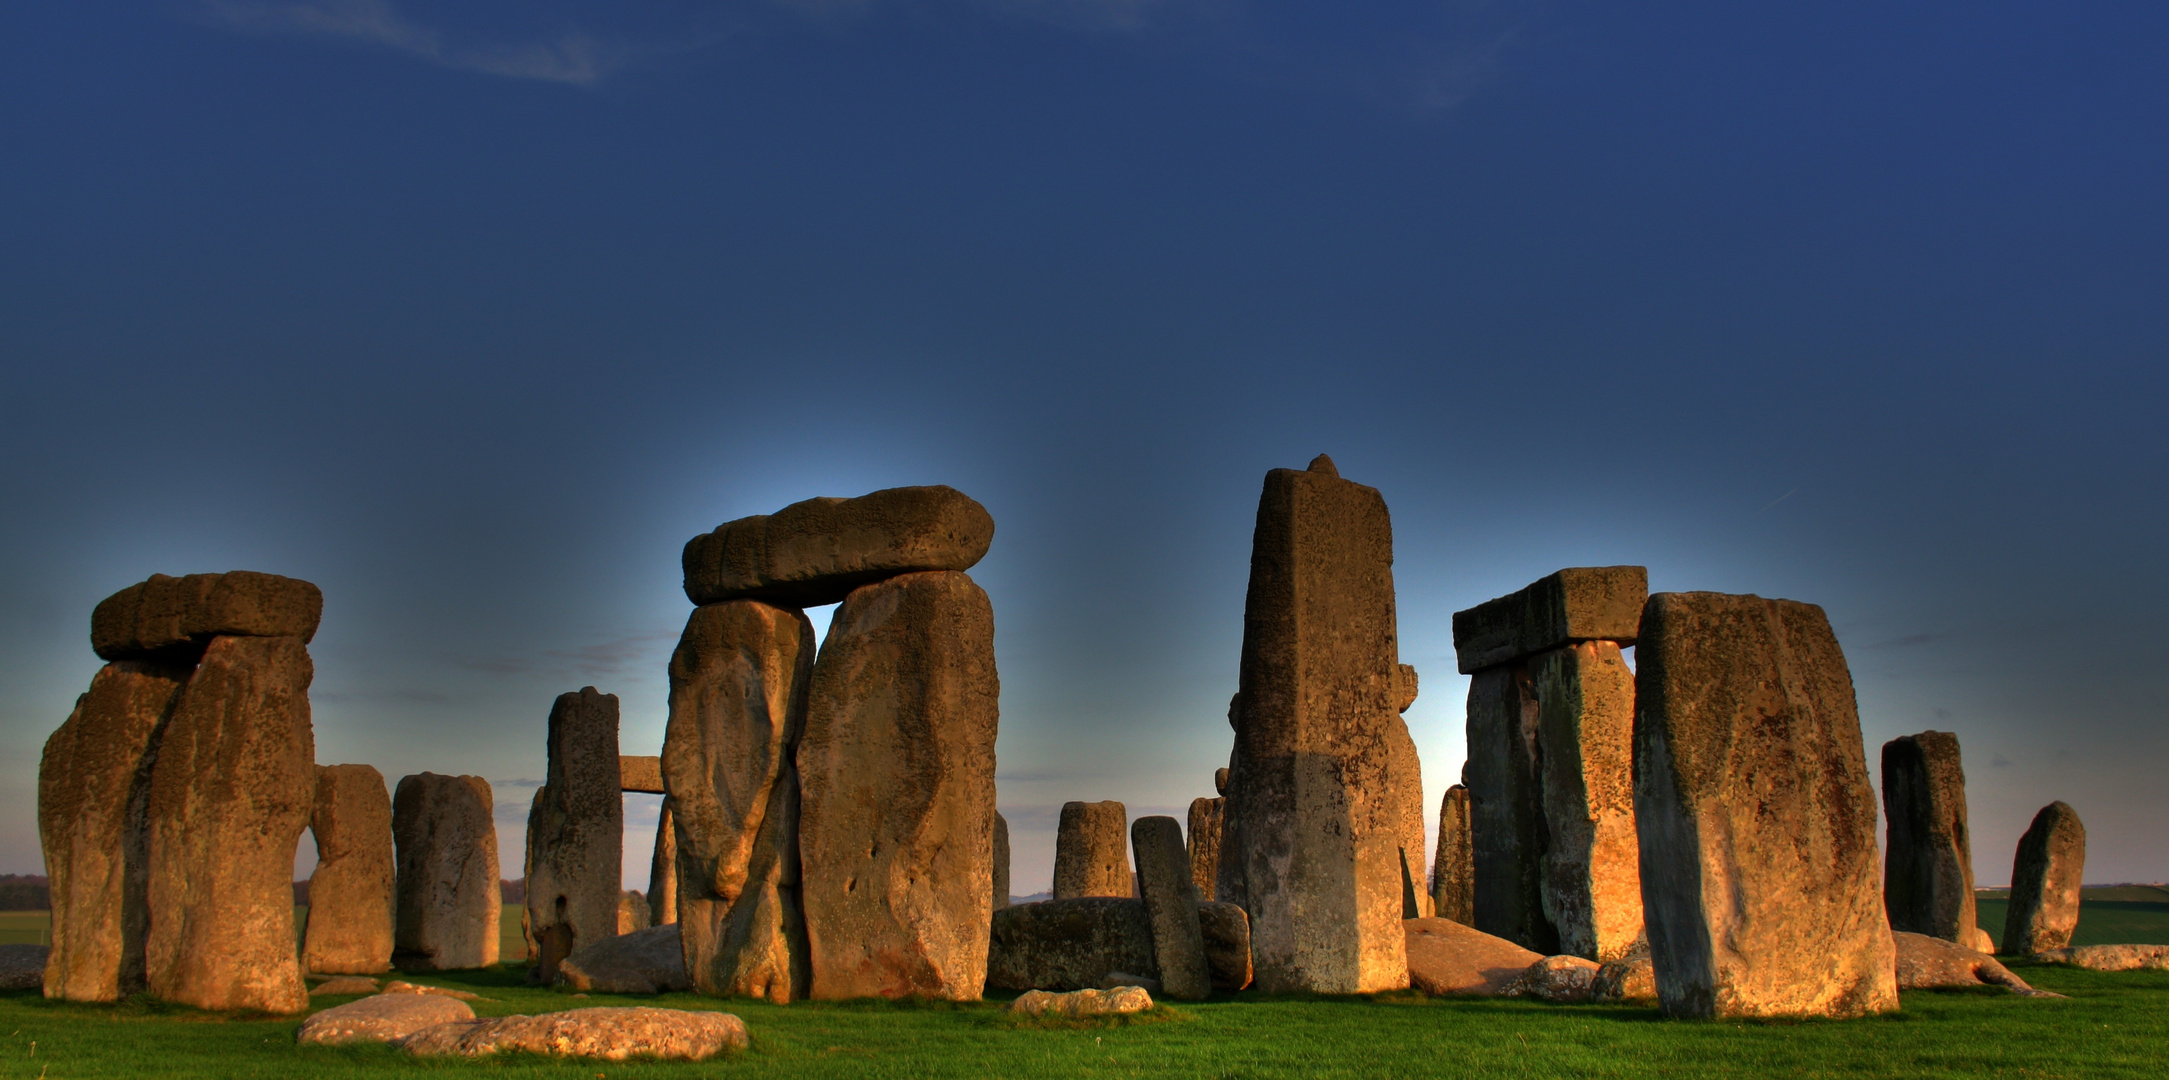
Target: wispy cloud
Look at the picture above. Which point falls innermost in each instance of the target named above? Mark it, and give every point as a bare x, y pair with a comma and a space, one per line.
574, 57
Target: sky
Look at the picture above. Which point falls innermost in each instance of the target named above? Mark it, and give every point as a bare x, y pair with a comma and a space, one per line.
474, 313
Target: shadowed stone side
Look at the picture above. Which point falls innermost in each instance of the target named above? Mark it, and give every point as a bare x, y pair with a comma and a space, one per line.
1001, 861
1928, 862
1757, 822
1405, 782
2045, 878
1171, 905
663, 870
576, 832
93, 791
1204, 833
897, 765
1592, 885
176, 617
815, 552
350, 894
447, 901
1092, 851
233, 787
1581, 603
738, 686
1507, 831
1453, 870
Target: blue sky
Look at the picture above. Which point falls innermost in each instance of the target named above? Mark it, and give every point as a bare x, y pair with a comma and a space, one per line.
473, 313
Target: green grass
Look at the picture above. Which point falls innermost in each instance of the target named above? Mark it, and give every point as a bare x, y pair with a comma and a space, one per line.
2110, 915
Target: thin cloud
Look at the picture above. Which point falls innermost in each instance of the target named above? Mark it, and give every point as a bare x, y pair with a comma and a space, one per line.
574, 58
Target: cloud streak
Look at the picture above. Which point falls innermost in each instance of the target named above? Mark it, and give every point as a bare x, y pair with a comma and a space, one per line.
574, 58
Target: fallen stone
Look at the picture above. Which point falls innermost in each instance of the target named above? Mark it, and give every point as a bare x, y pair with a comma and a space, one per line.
1453, 869
576, 832
897, 766
2045, 877
1082, 1003
1583, 603
1507, 830
1560, 979
233, 786
447, 900
178, 616
344, 986
1761, 887
93, 791
22, 967
1227, 944
397, 987
650, 961
349, 931
1931, 963
610, 1034
1928, 858
1592, 881
382, 1018
1445, 957
1171, 906
1632, 977
738, 688
1001, 861
2108, 957
816, 552
1092, 851
1204, 834
644, 774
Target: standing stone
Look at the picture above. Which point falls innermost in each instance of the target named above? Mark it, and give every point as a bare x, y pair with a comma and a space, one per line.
1453, 871
1092, 851
1407, 787
898, 768
1757, 822
738, 684
663, 870
350, 894
1592, 886
93, 790
1507, 831
1205, 817
1171, 902
1928, 861
234, 785
1001, 861
576, 832
2044, 883
815, 552
445, 917
1318, 818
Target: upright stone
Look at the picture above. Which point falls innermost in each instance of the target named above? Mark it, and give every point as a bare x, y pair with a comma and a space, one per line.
1757, 822
663, 870
445, 917
2045, 881
1453, 870
1592, 883
1928, 860
1318, 818
1171, 903
898, 768
576, 832
1092, 851
233, 786
1205, 818
350, 894
738, 684
1001, 861
1508, 835
815, 552
93, 790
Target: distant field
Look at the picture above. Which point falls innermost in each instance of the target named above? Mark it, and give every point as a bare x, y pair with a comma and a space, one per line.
2111, 915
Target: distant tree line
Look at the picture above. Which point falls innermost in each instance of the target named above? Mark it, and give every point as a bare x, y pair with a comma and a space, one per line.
25, 892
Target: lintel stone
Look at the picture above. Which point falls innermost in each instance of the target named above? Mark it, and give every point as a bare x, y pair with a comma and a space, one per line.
1580, 603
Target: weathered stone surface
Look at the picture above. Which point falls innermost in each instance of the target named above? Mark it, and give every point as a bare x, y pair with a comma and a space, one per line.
1001, 861
1453, 869
1119, 979
1928, 859
93, 790
1445, 957
1507, 831
1068, 944
663, 870
1980, 942
22, 967
633, 912
1227, 944
2045, 876
898, 767
344, 986
1313, 810
233, 787
1404, 687
815, 552
1171, 906
610, 1034
647, 961
644, 774
1583, 603
178, 616
1632, 977
1205, 831
446, 899
2109, 957
1592, 883
1220, 781
1082, 1003
1404, 780
381, 1018
1561, 979
350, 894
397, 987
1092, 851
1758, 850
738, 686
1931, 963
576, 832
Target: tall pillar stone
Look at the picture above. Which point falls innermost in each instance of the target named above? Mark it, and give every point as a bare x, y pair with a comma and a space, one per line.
897, 765
1001, 861
93, 791
663, 870
350, 894
1507, 831
576, 832
1453, 870
738, 692
1092, 851
2045, 879
1592, 885
1928, 860
1229, 883
1204, 833
1314, 799
233, 786
1171, 905
447, 903
1760, 882
1406, 770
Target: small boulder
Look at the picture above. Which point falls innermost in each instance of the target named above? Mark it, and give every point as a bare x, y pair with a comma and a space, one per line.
1445, 957
650, 961
611, 1034
1632, 977
1560, 979
2109, 957
344, 985
1082, 1003
382, 1018
1931, 963
22, 967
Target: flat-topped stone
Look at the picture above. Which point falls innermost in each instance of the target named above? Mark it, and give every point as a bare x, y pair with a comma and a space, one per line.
380, 1018
611, 1034
643, 774
1092, 851
180, 615
815, 552
1580, 603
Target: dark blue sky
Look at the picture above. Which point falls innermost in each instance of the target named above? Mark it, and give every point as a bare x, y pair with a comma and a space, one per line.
473, 313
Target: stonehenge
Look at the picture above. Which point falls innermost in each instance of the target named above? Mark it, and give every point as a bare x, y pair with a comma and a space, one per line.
1171, 906
816, 552
350, 895
1927, 858
447, 901
2045, 878
1203, 836
1453, 869
1000, 890
1092, 851
576, 832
